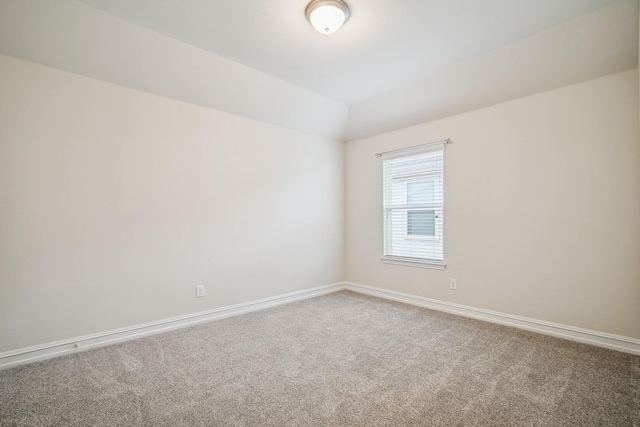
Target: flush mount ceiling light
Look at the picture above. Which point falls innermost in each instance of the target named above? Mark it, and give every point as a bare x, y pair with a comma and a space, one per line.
326, 16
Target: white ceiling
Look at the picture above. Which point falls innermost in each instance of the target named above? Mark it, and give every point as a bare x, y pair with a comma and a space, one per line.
385, 44
395, 63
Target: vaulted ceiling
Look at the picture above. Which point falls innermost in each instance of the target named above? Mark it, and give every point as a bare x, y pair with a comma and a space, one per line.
393, 64
384, 44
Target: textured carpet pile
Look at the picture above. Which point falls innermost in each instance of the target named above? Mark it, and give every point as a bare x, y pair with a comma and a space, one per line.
342, 359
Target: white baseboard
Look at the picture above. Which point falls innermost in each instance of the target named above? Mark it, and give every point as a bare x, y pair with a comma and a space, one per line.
46, 351
600, 339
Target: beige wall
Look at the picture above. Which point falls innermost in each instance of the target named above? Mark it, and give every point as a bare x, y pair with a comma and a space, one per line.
542, 207
115, 204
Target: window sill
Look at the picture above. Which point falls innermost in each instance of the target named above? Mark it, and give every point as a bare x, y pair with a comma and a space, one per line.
410, 262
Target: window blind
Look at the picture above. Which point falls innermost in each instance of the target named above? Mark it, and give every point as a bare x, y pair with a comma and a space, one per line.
413, 207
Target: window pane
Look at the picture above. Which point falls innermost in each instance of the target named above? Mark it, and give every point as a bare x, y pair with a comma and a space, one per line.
420, 192
421, 223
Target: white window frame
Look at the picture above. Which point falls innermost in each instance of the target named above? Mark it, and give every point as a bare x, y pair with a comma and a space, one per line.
436, 257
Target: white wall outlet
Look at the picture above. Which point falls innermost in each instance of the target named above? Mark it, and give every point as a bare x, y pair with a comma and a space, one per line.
453, 284
199, 291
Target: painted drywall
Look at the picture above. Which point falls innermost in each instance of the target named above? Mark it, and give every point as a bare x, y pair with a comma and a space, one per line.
74, 37
597, 44
116, 203
542, 208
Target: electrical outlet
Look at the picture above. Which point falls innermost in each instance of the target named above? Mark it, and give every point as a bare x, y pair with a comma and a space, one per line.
453, 284
199, 291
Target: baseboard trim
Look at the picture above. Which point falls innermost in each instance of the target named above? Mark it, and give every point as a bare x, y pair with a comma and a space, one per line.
14, 358
46, 351
600, 339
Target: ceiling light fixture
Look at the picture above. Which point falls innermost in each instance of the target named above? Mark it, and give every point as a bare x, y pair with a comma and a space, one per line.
326, 16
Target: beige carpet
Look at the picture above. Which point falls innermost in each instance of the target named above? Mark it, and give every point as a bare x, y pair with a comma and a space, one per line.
339, 360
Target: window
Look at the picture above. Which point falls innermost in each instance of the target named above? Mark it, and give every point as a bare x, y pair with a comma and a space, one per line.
421, 223
413, 193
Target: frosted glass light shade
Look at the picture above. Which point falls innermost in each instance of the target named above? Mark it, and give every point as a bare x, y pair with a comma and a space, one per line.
326, 16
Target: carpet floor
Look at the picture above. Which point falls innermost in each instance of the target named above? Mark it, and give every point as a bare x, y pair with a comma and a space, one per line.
343, 359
